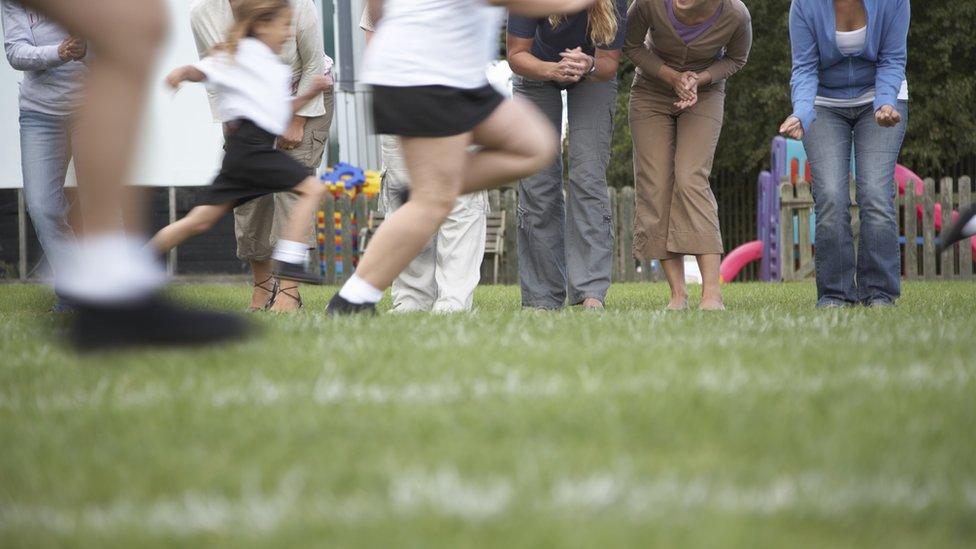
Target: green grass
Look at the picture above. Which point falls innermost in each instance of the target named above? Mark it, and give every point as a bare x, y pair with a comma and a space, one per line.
772, 425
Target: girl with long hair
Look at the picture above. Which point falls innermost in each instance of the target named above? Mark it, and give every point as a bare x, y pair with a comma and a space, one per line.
565, 245
253, 86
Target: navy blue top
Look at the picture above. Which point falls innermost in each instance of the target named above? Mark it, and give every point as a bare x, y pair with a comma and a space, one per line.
573, 32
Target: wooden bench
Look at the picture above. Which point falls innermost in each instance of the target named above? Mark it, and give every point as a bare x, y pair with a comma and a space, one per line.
494, 237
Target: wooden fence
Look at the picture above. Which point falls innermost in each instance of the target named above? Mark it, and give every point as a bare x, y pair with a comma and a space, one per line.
917, 230
919, 261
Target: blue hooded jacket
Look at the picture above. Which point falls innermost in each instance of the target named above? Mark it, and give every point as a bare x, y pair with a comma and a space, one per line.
819, 68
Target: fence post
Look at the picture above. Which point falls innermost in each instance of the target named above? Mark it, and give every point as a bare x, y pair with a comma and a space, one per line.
928, 230
786, 230
965, 249
911, 233
329, 208
947, 260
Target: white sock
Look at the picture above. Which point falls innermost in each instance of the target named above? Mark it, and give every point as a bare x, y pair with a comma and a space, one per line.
109, 268
357, 291
970, 228
290, 251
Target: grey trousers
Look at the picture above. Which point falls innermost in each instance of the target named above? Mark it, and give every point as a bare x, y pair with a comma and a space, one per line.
565, 245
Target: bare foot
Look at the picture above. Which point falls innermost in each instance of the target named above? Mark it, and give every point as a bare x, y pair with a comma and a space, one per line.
711, 304
287, 300
678, 303
592, 304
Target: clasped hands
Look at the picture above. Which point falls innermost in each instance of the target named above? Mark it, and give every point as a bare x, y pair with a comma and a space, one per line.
72, 48
572, 68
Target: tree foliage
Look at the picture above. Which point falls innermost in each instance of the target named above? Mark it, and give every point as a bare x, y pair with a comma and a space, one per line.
941, 76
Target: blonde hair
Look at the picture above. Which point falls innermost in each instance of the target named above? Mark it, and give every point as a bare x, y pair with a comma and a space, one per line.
602, 22
247, 14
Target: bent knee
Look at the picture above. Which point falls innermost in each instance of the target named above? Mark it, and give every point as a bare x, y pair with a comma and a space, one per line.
437, 204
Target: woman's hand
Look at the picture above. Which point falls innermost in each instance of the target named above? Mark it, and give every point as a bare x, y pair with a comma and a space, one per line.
322, 83
686, 86
72, 49
294, 133
579, 62
562, 73
792, 128
887, 116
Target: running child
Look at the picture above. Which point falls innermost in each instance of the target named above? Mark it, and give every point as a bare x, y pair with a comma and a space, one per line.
426, 64
252, 86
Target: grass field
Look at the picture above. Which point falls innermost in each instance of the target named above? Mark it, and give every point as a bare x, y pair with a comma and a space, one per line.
772, 425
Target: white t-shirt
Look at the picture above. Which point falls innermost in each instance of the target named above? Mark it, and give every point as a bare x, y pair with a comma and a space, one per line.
433, 43
852, 43
254, 85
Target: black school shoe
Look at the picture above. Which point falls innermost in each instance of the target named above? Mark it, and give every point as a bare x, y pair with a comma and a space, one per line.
294, 271
338, 306
150, 322
953, 233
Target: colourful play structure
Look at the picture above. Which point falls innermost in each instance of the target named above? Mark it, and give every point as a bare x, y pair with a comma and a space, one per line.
786, 204
343, 180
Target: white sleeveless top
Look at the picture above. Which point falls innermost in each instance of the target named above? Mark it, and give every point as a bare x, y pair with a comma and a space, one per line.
852, 43
433, 42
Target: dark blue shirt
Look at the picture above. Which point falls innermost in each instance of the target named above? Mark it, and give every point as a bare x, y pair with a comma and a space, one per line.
572, 32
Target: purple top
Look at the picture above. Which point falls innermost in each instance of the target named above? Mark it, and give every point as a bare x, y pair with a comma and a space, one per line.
687, 33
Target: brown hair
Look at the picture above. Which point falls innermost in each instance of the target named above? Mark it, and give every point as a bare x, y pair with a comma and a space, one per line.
602, 22
248, 13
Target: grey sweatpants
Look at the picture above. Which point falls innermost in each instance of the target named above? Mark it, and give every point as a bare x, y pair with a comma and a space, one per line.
565, 245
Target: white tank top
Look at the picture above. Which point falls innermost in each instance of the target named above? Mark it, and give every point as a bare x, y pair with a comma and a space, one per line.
852, 43
433, 42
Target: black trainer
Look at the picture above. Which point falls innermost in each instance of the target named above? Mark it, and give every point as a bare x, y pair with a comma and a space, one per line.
953, 233
296, 272
150, 322
338, 306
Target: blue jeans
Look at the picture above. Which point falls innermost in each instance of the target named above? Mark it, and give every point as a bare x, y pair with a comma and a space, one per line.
876, 275
45, 150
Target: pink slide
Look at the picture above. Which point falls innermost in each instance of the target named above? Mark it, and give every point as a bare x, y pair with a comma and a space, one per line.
739, 258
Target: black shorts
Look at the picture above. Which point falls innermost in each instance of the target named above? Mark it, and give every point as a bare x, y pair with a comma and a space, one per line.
252, 167
432, 111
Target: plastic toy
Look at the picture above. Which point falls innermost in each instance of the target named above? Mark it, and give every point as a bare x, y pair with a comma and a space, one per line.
788, 159
343, 179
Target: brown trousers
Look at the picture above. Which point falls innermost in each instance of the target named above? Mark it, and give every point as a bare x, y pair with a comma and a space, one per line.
258, 223
673, 150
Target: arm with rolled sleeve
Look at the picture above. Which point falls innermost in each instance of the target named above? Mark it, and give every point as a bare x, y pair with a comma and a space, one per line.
806, 67
22, 54
311, 53
638, 26
892, 55
736, 53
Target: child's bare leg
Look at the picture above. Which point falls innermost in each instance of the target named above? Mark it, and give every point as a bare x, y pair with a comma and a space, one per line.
311, 191
436, 166
518, 141
199, 220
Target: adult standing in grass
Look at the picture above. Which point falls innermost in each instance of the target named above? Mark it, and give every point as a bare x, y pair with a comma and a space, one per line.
565, 246
53, 65
684, 51
849, 88
259, 223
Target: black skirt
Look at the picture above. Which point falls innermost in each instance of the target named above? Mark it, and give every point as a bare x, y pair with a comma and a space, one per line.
252, 167
432, 111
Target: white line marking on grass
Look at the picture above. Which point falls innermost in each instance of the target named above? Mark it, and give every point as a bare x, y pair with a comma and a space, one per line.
446, 493
330, 388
